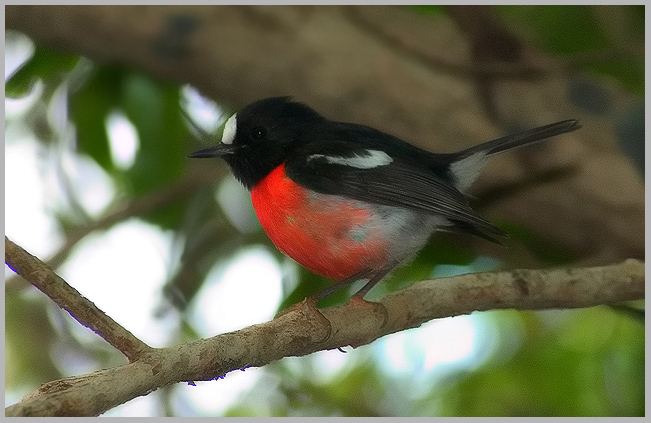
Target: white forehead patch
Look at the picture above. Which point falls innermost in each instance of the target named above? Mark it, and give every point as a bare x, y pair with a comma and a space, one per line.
369, 159
229, 130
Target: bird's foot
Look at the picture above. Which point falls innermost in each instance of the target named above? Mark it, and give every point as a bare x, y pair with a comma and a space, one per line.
378, 308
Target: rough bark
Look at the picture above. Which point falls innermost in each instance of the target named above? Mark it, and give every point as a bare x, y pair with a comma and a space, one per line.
301, 330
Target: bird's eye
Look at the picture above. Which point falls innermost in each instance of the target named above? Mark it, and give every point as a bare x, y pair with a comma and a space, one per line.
258, 133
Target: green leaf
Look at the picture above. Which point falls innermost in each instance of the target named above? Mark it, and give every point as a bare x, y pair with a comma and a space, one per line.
153, 108
89, 107
560, 29
587, 362
428, 9
629, 72
565, 29
45, 64
547, 252
28, 338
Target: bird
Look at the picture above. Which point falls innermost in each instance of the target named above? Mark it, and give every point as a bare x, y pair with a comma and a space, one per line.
350, 202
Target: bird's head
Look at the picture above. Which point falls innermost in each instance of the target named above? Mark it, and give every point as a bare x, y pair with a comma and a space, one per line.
260, 137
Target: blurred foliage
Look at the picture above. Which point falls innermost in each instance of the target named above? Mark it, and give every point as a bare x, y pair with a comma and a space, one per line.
547, 253
571, 363
586, 362
27, 349
428, 9
574, 30
589, 363
45, 64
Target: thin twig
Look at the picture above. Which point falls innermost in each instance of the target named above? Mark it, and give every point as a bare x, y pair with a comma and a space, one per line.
138, 207
85, 312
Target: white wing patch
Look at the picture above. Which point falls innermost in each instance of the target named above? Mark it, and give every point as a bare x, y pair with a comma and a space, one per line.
466, 170
229, 130
369, 160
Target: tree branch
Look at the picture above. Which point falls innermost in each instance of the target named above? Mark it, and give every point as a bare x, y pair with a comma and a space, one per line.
304, 330
85, 312
323, 57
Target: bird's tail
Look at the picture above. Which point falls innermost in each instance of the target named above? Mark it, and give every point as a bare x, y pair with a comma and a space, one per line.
520, 139
465, 165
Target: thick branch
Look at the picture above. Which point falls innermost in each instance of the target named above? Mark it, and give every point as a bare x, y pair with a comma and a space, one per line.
333, 58
304, 330
85, 312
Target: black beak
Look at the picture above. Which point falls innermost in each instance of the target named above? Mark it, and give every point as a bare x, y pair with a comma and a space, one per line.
218, 150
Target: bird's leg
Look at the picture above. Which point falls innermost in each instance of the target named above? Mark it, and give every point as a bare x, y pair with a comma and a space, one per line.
313, 300
342, 284
372, 282
358, 297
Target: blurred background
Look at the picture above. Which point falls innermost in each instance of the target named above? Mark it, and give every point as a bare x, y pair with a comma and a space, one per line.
98, 104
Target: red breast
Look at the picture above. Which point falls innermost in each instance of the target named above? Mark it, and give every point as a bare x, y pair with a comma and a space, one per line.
327, 234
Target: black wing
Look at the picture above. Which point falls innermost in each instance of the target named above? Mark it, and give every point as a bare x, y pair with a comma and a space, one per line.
400, 183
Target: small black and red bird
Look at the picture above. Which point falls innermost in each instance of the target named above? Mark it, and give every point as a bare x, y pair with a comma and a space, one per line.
347, 201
